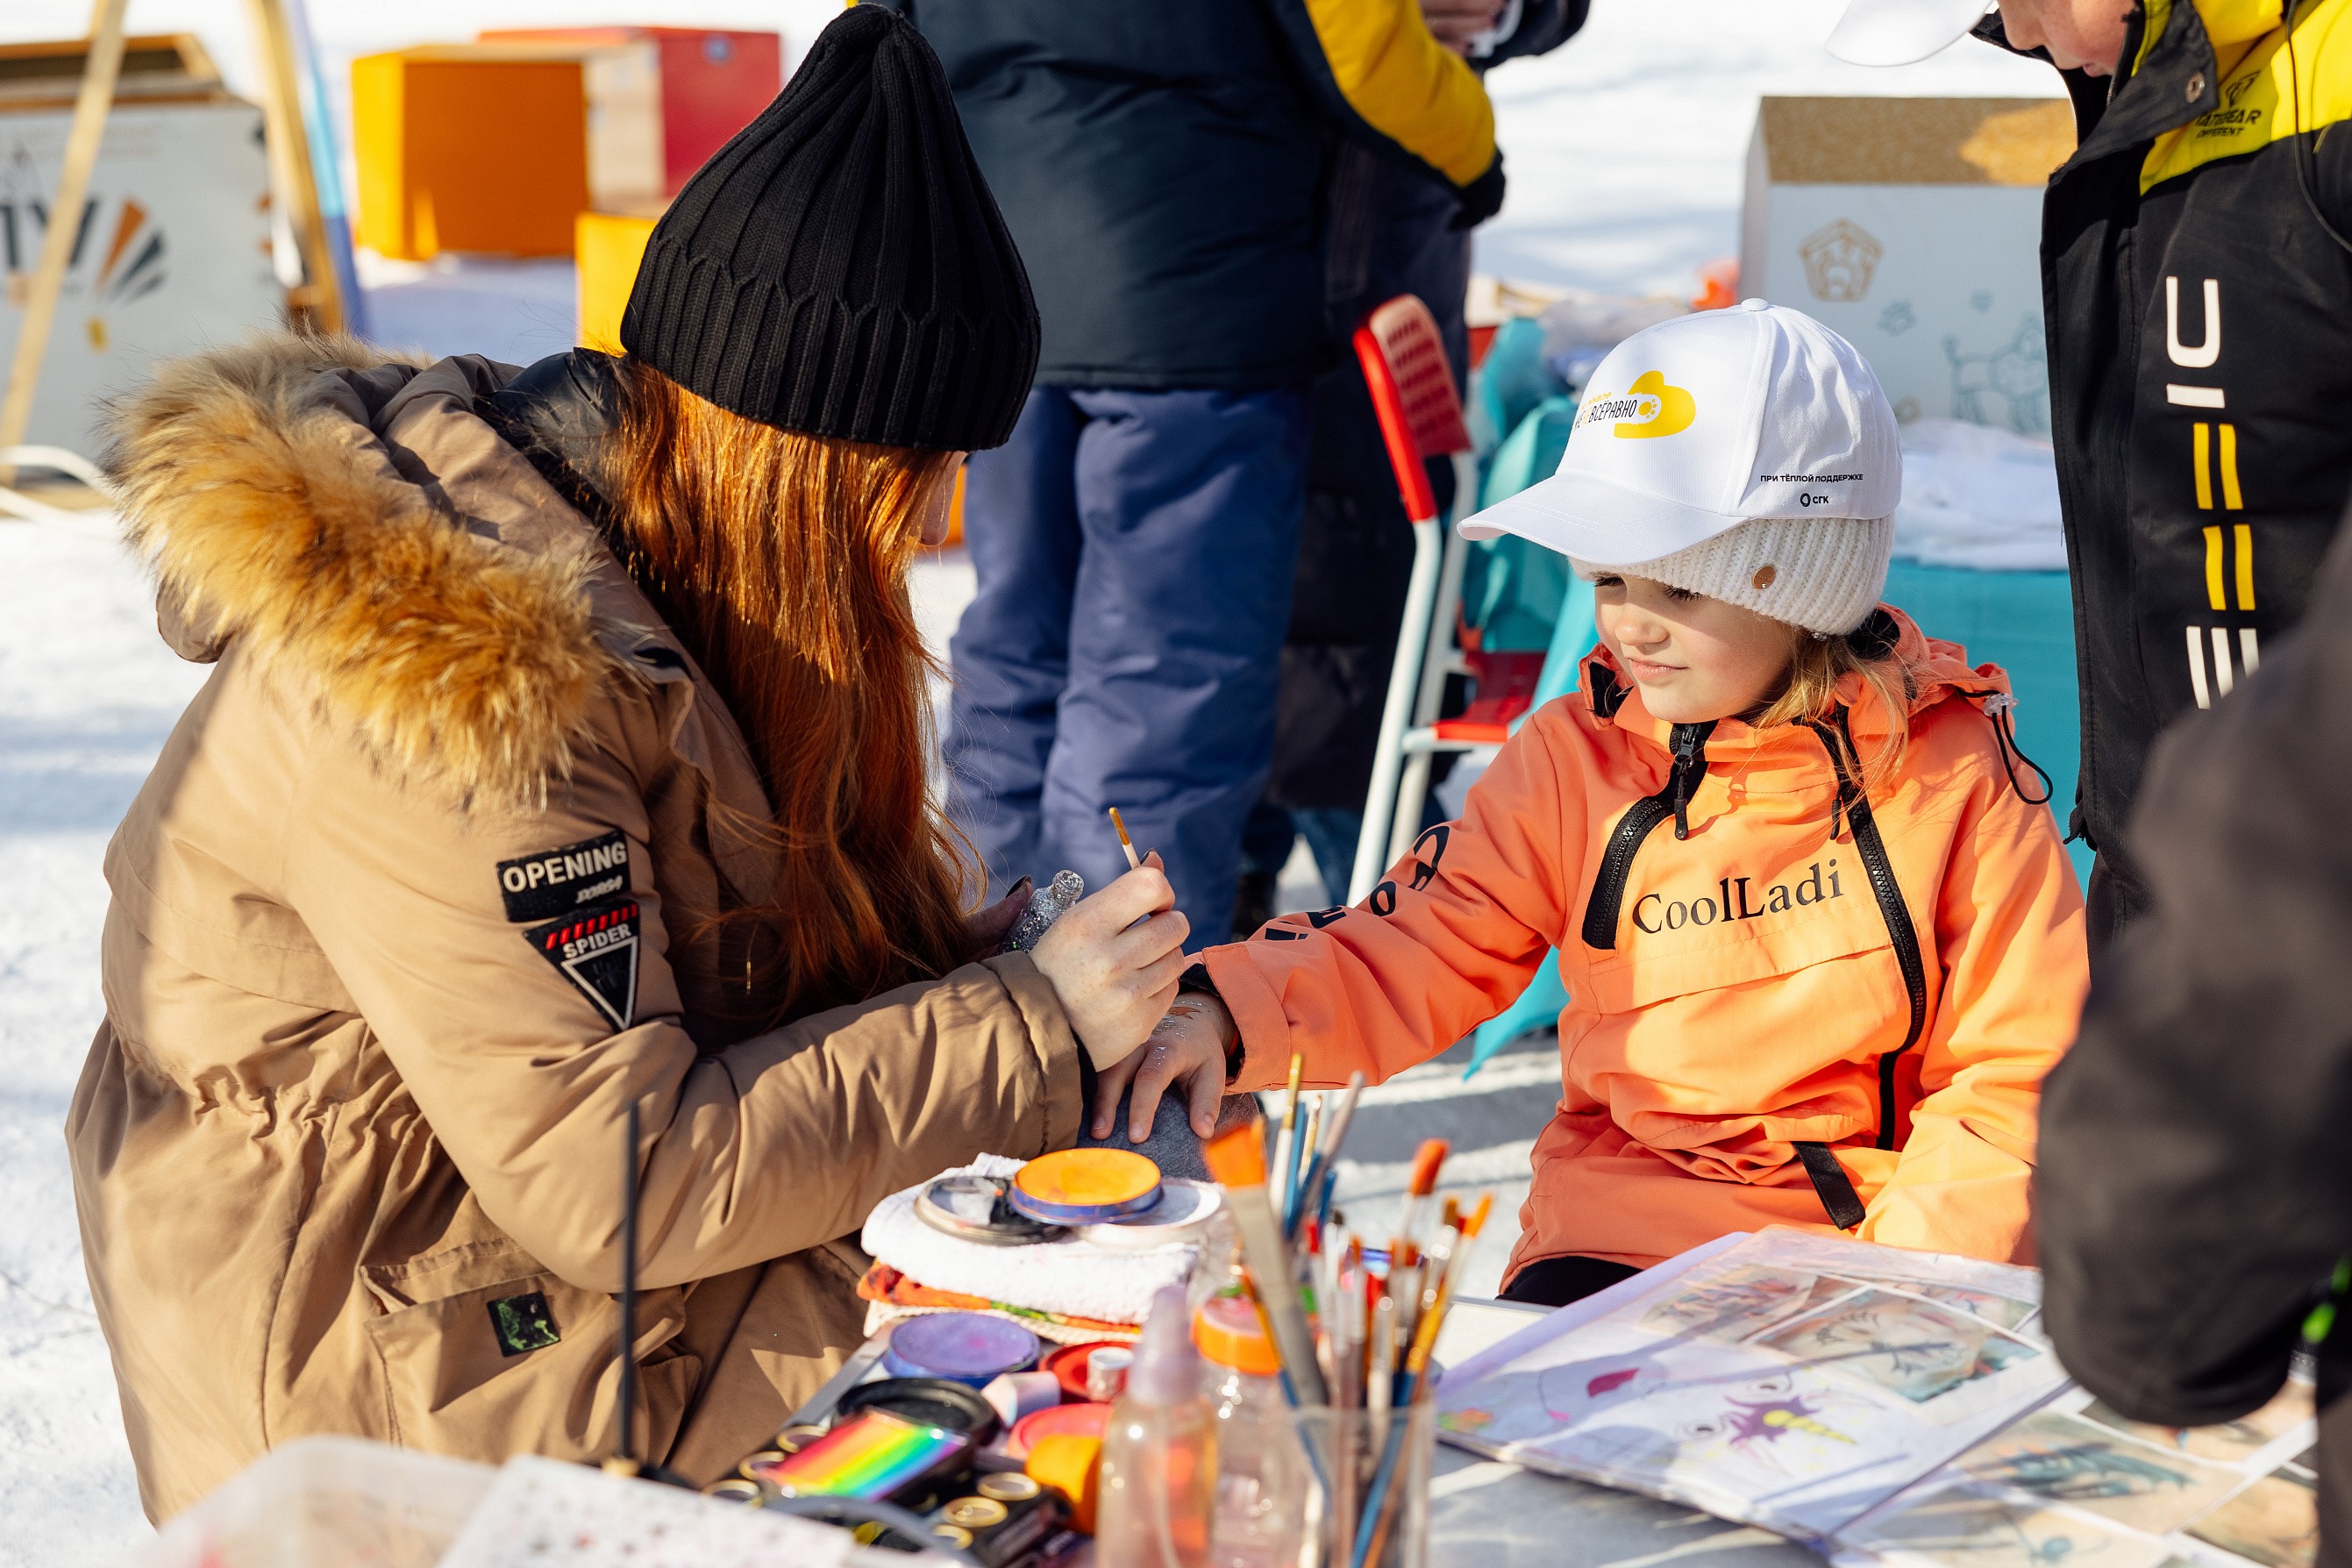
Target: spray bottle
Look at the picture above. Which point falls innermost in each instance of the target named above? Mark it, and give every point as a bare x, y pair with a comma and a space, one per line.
1159, 1479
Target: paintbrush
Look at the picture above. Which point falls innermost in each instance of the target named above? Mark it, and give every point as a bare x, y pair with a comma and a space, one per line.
1237, 1159
1134, 863
1425, 1161
1371, 1533
1313, 1195
1300, 1148
1279, 1157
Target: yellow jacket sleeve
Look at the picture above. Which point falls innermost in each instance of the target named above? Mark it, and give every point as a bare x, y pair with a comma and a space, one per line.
1378, 70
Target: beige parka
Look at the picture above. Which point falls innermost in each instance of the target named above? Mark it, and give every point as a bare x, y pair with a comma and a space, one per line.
396, 933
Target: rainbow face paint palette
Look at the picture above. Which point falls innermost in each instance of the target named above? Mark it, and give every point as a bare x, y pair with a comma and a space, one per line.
1084, 1186
970, 1348
874, 1455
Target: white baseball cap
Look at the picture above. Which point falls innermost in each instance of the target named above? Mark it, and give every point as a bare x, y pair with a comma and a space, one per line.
1703, 422
1900, 32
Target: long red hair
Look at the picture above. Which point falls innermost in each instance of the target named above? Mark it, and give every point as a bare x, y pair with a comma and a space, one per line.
780, 559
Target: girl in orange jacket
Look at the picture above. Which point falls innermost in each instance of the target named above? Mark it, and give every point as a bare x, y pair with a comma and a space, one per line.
1819, 944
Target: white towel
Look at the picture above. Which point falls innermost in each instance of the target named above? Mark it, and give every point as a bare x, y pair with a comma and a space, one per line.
1069, 1275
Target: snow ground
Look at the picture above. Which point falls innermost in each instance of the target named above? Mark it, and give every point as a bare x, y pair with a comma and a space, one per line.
1625, 155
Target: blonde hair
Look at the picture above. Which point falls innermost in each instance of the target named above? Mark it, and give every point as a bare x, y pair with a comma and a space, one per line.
1817, 666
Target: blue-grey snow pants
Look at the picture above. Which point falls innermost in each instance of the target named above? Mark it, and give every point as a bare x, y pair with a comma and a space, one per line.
1135, 552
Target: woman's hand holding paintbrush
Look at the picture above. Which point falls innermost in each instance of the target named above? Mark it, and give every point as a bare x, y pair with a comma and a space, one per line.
1113, 960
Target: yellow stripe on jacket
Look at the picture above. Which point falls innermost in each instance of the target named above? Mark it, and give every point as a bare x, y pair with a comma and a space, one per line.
1406, 85
2268, 93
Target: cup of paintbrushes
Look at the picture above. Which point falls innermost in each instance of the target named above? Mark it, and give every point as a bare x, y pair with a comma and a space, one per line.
1370, 1507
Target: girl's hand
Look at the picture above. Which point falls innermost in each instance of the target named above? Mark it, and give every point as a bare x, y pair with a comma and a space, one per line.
1187, 1047
1113, 960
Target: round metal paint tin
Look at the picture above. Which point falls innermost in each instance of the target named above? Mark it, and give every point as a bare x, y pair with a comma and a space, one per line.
1007, 1487
974, 1512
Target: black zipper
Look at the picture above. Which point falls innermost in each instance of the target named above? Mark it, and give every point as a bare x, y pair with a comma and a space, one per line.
1688, 742
1891, 907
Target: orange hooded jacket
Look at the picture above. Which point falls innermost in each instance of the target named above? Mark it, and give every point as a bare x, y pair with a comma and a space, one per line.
1744, 992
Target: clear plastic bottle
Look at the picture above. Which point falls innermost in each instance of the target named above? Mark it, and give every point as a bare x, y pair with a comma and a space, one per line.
1159, 1478
1261, 1476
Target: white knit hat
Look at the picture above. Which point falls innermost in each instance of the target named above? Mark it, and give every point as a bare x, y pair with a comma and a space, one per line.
1751, 457
1823, 573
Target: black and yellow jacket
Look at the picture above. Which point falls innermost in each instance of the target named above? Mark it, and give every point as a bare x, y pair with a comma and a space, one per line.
1160, 165
2200, 356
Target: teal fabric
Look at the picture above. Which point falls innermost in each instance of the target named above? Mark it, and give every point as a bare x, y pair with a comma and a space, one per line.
2022, 621
1509, 381
1513, 591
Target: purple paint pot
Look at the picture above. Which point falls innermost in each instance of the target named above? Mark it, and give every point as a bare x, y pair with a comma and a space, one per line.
970, 1347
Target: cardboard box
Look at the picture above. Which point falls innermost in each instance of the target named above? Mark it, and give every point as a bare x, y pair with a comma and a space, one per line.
498, 147
173, 250
1912, 226
712, 82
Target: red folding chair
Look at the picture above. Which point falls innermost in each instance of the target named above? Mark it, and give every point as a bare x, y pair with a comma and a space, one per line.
1420, 413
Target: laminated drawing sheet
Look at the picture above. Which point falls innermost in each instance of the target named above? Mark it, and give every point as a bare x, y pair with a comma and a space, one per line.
2074, 1482
1784, 1379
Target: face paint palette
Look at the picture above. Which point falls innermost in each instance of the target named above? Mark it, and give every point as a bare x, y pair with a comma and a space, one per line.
970, 1348
974, 1208
872, 1454
1181, 1215
1084, 1186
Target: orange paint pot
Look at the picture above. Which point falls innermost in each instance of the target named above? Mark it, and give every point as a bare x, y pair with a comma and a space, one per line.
1081, 1186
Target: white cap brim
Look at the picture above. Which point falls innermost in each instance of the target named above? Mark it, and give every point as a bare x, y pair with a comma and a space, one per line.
1598, 519
1901, 32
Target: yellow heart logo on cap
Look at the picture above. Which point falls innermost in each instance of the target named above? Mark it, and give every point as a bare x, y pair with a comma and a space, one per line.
1662, 410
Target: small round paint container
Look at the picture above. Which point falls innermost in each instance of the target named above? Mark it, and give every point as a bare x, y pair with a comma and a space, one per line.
736, 1490
1107, 1369
760, 1469
1087, 1420
1084, 1186
970, 1348
1007, 1487
954, 1536
975, 1513
1068, 1366
1182, 1214
793, 1439
926, 1402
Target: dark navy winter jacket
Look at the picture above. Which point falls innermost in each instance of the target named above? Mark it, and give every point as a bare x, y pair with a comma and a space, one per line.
1160, 165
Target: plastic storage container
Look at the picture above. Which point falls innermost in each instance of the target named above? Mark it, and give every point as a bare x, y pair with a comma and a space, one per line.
1262, 1470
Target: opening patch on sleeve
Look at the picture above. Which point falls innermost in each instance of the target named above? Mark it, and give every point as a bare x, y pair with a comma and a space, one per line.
597, 950
557, 881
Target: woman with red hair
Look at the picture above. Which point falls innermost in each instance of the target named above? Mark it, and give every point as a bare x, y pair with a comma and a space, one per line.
565, 752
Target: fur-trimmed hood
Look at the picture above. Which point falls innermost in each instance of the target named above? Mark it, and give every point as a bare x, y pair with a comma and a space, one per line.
281, 493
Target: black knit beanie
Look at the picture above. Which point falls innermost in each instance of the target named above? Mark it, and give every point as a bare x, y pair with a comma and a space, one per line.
840, 267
